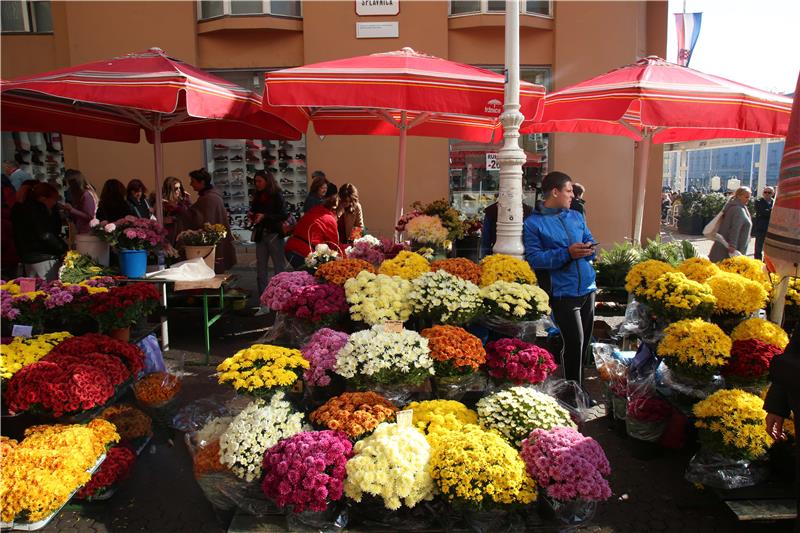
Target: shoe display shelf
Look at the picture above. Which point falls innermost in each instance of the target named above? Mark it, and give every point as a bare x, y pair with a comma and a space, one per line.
475, 202
39, 154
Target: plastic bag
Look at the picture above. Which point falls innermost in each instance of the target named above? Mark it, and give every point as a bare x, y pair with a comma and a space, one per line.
640, 322
570, 513
401, 394
153, 357
523, 330
334, 519
609, 362
289, 331
225, 492
493, 521
683, 392
196, 415
571, 396
189, 270
646, 431
371, 513
456, 387
722, 472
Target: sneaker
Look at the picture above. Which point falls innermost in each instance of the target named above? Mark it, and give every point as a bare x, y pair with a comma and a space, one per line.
221, 170
300, 168
300, 156
237, 159
286, 145
220, 147
286, 181
221, 181
235, 147
237, 173
282, 155
287, 170
238, 170
221, 157
283, 164
252, 157
36, 150
251, 145
269, 144
237, 182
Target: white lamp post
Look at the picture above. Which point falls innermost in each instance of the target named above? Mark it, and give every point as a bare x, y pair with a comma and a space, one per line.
511, 157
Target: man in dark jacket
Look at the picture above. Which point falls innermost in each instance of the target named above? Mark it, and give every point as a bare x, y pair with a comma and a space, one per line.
761, 220
489, 229
37, 226
578, 203
783, 398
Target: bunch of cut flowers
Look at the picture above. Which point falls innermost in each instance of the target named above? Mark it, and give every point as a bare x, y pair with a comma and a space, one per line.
750, 268
642, 276
480, 470
698, 269
322, 254
435, 417
501, 267
78, 267
130, 354
731, 423
426, 229
116, 467
460, 267
60, 384
22, 351
354, 413
132, 424
762, 330
320, 351
749, 362
157, 389
736, 295
52, 461
454, 351
283, 287
407, 265
123, 306
695, 348
206, 459
252, 432
380, 356
447, 214
444, 298
391, 464
321, 302
134, 233
515, 301
262, 369
22, 307
374, 251
674, 297
307, 471
517, 411
375, 299
338, 272
518, 361
208, 235
567, 465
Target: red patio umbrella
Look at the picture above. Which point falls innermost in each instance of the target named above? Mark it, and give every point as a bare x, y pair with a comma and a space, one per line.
655, 101
398, 93
114, 99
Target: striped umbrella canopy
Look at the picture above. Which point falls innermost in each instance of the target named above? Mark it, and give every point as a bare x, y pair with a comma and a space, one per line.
399, 93
115, 99
782, 244
654, 101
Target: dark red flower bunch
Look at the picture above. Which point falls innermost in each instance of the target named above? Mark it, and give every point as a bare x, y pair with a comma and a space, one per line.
750, 359
130, 354
116, 467
61, 384
124, 305
646, 409
518, 361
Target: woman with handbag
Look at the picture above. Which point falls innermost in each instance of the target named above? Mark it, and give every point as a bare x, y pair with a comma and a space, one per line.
268, 212
318, 226
734, 228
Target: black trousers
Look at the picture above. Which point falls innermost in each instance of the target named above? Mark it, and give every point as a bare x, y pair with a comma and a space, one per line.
760, 237
575, 319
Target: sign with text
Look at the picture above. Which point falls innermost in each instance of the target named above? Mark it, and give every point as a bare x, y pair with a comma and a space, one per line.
27, 284
377, 30
491, 161
405, 418
393, 326
369, 8
21, 331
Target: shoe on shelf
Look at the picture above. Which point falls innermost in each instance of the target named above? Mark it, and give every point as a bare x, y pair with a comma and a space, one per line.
287, 170
238, 170
272, 169
300, 156
35, 160
283, 164
221, 159
220, 147
286, 145
252, 157
235, 147
251, 145
300, 168
286, 181
221, 170
236, 159
269, 144
36, 150
469, 197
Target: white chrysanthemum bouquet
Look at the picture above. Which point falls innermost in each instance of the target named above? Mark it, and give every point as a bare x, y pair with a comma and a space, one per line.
376, 298
516, 301
445, 298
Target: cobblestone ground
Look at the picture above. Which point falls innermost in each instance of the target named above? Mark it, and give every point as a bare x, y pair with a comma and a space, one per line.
162, 496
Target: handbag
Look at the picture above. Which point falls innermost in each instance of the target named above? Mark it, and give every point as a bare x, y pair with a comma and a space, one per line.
287, 226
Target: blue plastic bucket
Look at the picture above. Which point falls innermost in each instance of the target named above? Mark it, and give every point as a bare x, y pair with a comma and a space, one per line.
133, 263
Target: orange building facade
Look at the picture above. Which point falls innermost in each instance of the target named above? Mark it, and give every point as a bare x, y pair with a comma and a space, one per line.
561, 43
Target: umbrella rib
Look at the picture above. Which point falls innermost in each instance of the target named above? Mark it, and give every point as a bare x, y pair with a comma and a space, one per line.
422, 117
180, 117
625, 124
136, 116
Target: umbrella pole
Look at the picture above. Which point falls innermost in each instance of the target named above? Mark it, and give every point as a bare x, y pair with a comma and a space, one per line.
778, 301
158, 156
401, 169
643, 158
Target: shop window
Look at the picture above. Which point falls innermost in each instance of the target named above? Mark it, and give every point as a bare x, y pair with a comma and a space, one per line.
218, 8
39, 154
467, 7
21, 16
474, 174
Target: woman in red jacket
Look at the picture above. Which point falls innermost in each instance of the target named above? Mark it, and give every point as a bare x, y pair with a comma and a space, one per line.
318, 226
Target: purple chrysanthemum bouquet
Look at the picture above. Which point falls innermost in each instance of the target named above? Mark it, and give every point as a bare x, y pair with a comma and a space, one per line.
321, 351
307, 471
566, 464
283, 287
324, 301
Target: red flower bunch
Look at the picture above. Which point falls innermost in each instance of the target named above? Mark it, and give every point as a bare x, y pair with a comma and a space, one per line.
750, 359
116, 467
518, 361
124, 305
130, 354
315, 302
61, 384
645, 409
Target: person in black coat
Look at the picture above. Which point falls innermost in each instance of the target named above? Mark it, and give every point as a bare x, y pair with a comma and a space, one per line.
137, 199
37, 232
267, 213
761, 220
783, 398
113, 203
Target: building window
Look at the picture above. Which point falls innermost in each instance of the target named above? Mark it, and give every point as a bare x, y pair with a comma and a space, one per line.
469, 7
219, 8
26, 16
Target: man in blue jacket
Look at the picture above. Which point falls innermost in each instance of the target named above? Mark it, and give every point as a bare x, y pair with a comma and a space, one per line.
558, 242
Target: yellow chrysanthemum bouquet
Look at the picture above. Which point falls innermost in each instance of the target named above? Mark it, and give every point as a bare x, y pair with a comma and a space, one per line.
695, 348
642, 275
23, 351
478, 469
437, 417
262, 369
731, 423
407, 265
737, 297
752, 269
698, 269
501, 267
761, 330
673, 296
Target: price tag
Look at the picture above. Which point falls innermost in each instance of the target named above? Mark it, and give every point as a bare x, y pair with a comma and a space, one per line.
491, 161
27, 284
393, 326
405, 418
21, 331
